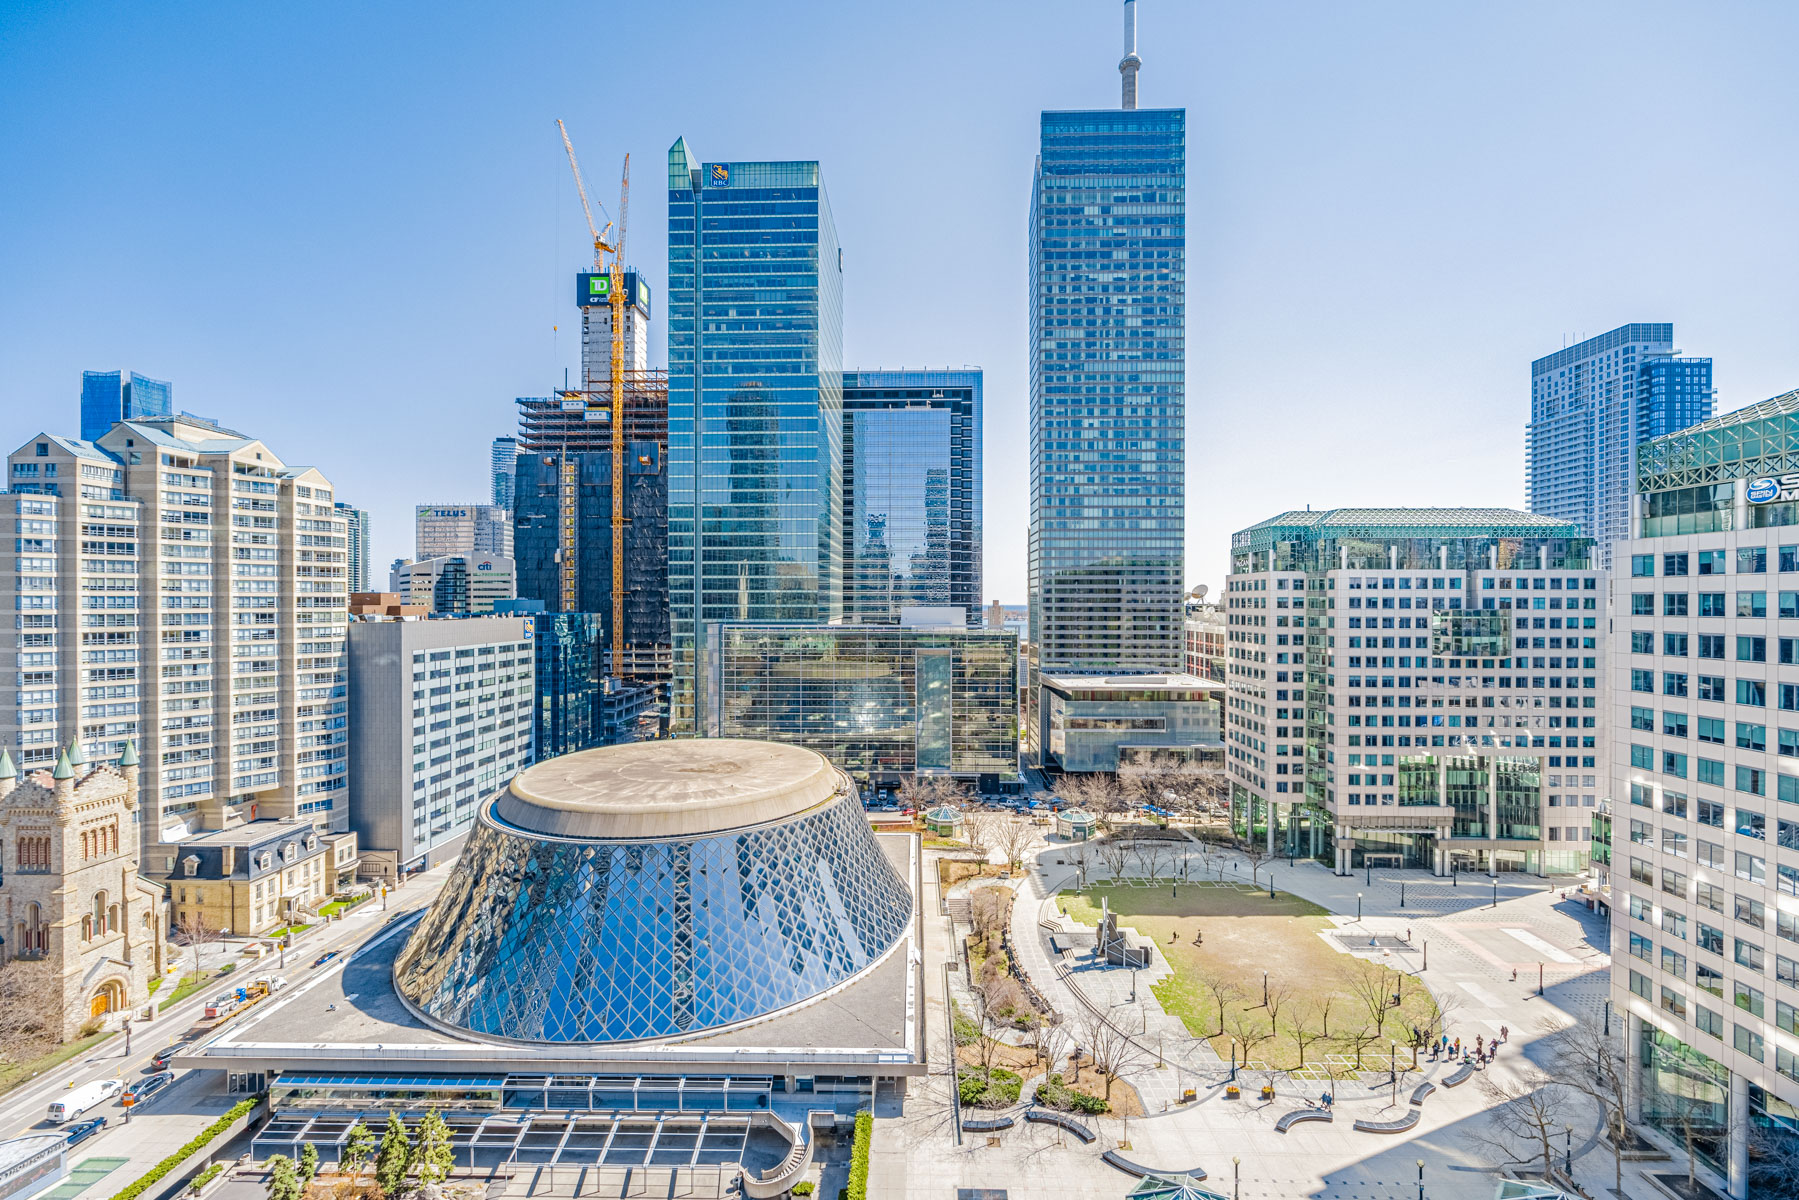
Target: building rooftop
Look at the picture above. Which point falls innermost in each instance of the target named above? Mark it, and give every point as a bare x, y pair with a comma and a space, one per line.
1135, 683
1760, 439
1779, 406
251, 833
662, 789
1369, 519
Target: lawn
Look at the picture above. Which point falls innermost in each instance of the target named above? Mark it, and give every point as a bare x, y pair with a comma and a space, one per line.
12, 1074
1244, 934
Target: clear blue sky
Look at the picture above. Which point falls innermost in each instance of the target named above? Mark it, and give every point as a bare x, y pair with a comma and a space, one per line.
349, 229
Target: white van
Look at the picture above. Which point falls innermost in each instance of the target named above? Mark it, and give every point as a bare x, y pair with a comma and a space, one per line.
79, 1100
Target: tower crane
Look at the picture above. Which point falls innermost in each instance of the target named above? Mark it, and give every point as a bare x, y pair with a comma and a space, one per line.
608, 257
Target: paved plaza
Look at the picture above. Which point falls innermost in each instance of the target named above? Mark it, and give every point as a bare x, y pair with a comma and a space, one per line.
1481, 950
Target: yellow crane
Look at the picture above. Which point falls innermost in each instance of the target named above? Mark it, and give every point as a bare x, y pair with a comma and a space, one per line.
608, 257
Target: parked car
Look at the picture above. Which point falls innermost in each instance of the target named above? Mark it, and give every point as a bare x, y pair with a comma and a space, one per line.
85, 1130
160, 1060
146, 1087
327, 956
79, 1100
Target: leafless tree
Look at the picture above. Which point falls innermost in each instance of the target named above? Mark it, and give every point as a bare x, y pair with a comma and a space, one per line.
1255, 852
1248, 1031
29, 1010
985, 999
1279, 996
1052, 1038
1115, 851
1694, 1113
1078, 854
1360, 1038
196, 932
1527, 1108
1301, 1027
1324, 1015
1223, 991
1372, 990
990, 908
979, 830
1111, 1050
1153, 852
1591, 1063
1016, 835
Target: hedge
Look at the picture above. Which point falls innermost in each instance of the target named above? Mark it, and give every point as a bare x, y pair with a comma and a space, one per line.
858, 1188
205, 1177
155, 1174
1055, 1094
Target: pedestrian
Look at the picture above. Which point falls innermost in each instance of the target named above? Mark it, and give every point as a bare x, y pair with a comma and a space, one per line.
1505, 1033
1479, 1041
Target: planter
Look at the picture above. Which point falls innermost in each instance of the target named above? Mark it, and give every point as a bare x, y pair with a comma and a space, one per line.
1232, 1092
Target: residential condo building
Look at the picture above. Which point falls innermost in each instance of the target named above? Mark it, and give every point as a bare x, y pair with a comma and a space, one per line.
1417, 687
755, 403
1591, 404
357, 544
503, 459
1704, 825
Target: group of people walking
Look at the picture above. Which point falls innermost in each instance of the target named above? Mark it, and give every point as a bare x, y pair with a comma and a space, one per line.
1482, 1051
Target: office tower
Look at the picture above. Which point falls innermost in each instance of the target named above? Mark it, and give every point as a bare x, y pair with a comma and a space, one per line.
108, 397
504, 460
881, 702
1416, 687
440, 717
593, 296
755, 351
457, 585
1705, 790
563, 539
911, 493
224, 583
1206, 627
467, 529
75, 664
356, 537
1108, 397
1590, 406
578, 705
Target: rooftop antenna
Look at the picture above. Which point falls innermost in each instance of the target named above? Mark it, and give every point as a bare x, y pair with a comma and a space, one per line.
1128, 65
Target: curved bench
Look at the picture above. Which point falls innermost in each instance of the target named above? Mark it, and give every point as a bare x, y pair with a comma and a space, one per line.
1300, 1115
1421, 1091
987, 1124
1048, 1116
1399, 1126
1115, 1159
1460, 1075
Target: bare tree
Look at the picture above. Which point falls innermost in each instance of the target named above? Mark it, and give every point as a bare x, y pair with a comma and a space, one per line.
1589, 1062
1371, 991
1248, 1031
1300, 1028
29, 1010
1223, 991
1254, 851
1078, 854
1112, 1051
1360, 1038
1527, 1108
990, 908
1279, 996
979, 830
196, 932
1115, 851
1324, 1015
1153, 852
1052, 1038
1016, 835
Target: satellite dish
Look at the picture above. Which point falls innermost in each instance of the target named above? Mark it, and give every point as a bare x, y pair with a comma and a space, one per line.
1199, 593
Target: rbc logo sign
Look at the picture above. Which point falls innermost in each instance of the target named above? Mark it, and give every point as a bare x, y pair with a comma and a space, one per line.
1760, 491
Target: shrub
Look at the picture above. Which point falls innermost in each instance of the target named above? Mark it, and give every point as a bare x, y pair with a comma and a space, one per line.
967, 1033
804, 1187
1056, 1094
995, 1088
858, 1188
137, 1188
199, 1182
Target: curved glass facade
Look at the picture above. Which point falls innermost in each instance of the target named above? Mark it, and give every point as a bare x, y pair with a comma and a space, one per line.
543, 939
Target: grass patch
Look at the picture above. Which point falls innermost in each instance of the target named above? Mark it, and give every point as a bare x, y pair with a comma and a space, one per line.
14, 1074
1244, 933
185, 987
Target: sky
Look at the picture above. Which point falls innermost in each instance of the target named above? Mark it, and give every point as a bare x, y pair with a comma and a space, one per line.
350, 230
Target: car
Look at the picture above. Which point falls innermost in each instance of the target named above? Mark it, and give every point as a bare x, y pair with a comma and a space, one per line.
161, 1059
327, 956
85, 1130
146, 1087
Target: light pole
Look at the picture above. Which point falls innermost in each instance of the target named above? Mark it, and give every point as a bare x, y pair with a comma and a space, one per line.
1426, 965
1421, 1179
1264, 989
1358, 906
1368, 873
1402, 893
1236, 1177
1539, 979
1495, 891
1568, 1161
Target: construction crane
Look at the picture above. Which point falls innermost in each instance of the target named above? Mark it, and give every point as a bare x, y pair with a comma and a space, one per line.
608, 257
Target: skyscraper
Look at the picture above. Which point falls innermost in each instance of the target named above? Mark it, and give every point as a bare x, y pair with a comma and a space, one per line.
1590, 404
1108, 396
755, 401
466, 529
356, 533
911, 493
504, 459
108, 397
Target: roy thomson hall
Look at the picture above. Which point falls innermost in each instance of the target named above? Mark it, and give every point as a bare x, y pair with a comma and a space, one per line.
690, 954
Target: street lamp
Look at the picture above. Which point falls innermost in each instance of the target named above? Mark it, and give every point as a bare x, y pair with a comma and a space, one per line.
1402, 893
1236, 1177
1495, 890
1358, 906
1568, 1161
1421, 1179
1368, 872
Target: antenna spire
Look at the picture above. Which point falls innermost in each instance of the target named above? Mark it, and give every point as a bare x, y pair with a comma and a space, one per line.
1129, 64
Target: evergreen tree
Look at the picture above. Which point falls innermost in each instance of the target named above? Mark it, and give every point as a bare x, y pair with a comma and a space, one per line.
309, 1162
359, 1145
284, 1181
433, 1154
394, 1159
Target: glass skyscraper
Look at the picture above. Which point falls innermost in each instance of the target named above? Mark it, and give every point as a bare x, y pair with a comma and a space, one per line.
755, 401
1108, 395
108, 397
503, 464
911, 493
1590, 406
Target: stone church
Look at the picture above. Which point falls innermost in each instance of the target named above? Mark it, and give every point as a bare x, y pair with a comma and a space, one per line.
70, 895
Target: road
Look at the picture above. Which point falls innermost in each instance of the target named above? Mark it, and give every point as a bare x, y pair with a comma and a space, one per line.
22, 1110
